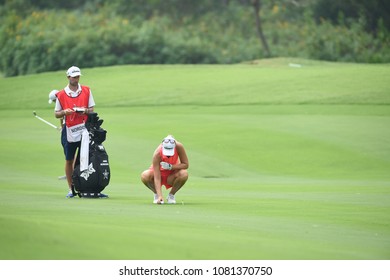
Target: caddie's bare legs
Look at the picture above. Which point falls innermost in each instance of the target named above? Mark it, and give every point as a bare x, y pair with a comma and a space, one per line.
69, 172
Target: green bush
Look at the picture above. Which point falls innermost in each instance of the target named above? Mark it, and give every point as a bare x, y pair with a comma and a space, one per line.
50, 40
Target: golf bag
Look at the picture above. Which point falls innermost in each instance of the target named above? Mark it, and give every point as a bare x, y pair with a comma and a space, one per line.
90, 182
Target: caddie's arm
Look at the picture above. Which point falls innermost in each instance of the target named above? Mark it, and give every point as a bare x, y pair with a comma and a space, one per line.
89, 110
62, 113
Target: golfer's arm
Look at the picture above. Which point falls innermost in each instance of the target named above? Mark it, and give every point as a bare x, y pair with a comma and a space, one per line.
183, 164
157, 173
157, 185
157, 182
180, 165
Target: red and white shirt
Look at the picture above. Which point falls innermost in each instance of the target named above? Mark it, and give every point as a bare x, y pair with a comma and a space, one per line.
66, 99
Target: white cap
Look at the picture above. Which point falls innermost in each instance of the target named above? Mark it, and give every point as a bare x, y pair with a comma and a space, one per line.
168, 146
73, 71
53, 96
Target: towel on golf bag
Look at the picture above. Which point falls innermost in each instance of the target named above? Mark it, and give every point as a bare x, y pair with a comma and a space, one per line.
84, 150
91, 181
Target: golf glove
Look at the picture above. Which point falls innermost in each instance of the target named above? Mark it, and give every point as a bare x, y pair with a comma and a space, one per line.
166, 165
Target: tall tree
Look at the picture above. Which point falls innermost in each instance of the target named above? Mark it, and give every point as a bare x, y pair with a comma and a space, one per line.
256, 8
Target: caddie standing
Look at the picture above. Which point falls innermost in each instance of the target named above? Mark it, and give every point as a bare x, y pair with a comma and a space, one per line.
73, 103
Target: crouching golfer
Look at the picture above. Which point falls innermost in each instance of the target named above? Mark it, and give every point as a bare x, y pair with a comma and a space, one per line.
169, 168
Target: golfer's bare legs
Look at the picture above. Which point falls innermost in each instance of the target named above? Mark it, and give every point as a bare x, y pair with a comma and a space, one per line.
148, 179
177, 180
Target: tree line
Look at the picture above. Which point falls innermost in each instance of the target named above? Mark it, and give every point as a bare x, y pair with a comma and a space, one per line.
44, 35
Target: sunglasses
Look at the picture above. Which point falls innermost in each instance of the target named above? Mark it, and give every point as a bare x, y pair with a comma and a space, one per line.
169, 141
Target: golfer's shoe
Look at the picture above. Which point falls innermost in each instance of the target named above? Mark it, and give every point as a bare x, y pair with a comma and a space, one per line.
102, 195
69, 195
171, 199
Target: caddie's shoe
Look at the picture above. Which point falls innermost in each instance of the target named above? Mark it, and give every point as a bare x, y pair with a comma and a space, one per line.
102, 195
155, 199
69, 195
171, 199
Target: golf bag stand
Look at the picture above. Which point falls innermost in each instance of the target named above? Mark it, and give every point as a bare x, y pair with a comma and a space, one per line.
90, 182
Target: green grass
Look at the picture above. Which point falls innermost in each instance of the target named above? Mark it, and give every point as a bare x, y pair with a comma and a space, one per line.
285, 163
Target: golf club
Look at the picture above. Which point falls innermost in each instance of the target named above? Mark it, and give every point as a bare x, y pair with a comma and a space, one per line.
52, 125
46, 122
